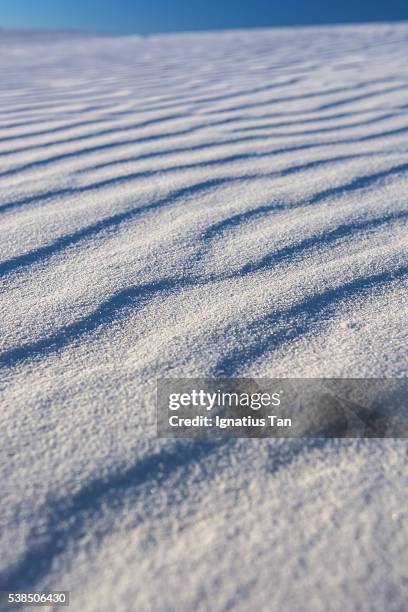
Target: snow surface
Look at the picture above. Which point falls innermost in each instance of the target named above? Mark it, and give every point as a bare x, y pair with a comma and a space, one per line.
229, 203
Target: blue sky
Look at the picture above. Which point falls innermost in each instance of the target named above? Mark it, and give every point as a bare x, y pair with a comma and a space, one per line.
146, 16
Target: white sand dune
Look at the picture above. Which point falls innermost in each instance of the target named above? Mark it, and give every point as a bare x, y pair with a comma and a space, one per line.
217, 204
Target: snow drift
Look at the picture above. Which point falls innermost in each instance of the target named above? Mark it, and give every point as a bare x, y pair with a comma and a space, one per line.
214, 204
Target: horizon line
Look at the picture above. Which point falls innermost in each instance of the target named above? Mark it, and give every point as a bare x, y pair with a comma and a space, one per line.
106, 32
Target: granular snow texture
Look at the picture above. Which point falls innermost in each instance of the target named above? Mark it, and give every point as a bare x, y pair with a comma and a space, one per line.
214, 204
